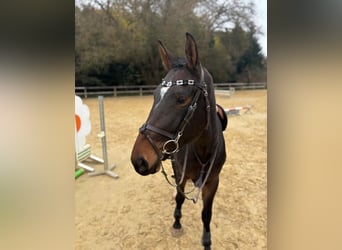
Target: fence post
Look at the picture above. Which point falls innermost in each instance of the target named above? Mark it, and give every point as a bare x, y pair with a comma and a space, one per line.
85, 92
140, 90
115, 91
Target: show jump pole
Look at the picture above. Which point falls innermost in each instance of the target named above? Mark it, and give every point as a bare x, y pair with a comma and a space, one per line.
107, 170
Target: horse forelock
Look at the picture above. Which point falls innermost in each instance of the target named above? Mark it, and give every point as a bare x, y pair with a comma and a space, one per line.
179, 62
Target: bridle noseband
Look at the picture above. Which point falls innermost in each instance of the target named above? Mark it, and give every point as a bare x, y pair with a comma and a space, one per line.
174, 138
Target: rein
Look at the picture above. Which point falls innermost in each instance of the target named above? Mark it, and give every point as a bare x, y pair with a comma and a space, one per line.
199, 184
173, 144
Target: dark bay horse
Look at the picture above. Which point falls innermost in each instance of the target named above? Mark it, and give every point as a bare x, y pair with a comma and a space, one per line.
183, 126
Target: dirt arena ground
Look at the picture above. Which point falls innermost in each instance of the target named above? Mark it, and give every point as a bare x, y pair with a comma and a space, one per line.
136, 212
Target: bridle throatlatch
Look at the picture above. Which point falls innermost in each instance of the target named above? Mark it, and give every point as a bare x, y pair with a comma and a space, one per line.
171, 146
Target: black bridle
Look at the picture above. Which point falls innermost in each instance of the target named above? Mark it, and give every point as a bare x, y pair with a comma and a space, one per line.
174, 138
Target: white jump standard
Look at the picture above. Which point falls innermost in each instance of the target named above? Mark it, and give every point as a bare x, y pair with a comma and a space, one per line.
107, 170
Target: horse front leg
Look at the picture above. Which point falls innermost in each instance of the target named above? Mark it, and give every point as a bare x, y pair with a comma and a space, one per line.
208, 194
177, 227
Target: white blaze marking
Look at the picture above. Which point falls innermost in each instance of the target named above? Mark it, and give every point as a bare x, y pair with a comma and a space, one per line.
163, 91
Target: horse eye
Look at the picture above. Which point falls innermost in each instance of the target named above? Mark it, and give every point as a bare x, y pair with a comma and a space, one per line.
181, 99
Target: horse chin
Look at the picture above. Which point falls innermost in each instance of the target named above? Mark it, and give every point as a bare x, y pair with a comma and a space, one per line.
156, 167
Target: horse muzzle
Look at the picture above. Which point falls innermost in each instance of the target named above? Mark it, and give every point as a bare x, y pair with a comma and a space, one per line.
142, 167
144, 158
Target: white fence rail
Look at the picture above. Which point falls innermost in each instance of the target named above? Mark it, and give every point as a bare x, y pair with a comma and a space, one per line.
148, 89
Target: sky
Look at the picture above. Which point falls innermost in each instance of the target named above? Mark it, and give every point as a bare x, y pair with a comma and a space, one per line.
261, 20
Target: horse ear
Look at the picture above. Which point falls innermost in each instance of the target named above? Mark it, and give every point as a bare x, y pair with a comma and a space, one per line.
191, 53
166, 56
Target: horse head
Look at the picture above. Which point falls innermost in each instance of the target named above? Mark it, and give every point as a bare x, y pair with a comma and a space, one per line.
180, 111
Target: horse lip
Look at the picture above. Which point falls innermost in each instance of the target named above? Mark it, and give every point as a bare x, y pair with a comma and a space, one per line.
156, 167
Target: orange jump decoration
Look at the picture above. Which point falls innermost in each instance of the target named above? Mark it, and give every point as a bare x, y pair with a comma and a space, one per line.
82, 123
82, 130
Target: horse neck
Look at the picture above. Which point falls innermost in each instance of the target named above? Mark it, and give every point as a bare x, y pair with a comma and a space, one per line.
208, 140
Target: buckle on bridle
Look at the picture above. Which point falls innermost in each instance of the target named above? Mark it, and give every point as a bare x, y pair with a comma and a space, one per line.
169, 144
175, 144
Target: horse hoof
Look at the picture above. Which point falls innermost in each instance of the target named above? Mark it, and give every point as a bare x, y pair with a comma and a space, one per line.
207, 248
176, 232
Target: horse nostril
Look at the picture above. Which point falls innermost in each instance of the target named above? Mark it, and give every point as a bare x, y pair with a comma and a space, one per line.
141, 166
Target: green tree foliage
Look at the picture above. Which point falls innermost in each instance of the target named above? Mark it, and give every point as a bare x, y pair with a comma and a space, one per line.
217, 59
116, 40
251, 65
